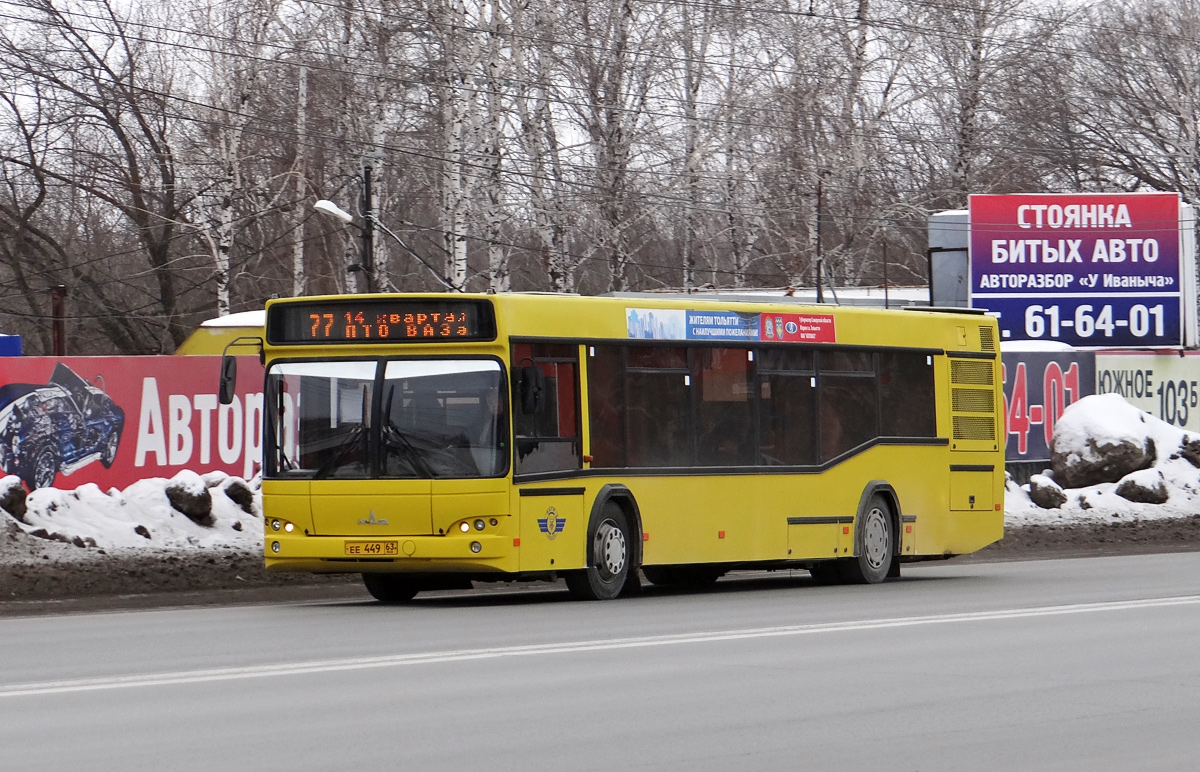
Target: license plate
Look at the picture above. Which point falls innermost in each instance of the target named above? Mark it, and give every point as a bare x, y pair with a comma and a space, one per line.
372, 548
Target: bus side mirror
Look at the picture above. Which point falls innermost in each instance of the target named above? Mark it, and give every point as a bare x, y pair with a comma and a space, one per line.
531, 385
228, 380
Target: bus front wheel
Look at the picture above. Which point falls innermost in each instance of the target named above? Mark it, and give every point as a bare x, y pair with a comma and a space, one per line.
875, 545
390, 588
609, 555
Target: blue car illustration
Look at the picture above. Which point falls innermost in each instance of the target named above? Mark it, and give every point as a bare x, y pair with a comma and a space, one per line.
60, 427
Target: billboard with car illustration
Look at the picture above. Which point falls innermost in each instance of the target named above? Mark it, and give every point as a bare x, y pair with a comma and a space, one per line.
67, 421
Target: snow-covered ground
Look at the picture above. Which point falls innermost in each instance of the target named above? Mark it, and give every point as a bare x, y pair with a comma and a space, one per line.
1099, 503
1106, 420
141, 518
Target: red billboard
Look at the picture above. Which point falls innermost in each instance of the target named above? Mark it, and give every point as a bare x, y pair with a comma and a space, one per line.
67, 421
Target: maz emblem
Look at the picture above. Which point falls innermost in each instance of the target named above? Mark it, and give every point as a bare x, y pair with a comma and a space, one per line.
372, 521
552, 525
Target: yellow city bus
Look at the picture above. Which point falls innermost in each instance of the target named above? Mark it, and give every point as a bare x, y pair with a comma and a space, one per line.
428, 441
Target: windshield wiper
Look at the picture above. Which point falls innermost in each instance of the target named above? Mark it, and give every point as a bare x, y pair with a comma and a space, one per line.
391, 431
351, 439
274, 425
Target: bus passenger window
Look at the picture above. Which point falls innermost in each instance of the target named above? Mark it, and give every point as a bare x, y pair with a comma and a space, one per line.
848, 402
547, 440
906, 395
657, 399
787, 401
606, 405
724, 419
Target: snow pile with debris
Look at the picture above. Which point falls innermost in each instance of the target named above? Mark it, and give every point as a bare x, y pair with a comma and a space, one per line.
1111, 463
187, 512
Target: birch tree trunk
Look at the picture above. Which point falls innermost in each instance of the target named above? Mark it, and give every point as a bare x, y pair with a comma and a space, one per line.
299, 210
457, 109
616, 76
695, 39
533, 53
499, 279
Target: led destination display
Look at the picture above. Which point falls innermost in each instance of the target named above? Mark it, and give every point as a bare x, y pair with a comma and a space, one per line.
380, 321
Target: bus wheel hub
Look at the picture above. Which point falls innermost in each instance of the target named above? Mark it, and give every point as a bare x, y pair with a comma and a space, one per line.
612, 548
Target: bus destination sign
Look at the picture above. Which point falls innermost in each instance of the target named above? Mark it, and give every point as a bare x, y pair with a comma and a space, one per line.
380, 321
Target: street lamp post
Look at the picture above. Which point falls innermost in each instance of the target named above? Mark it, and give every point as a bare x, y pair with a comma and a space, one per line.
327, 207
368, 231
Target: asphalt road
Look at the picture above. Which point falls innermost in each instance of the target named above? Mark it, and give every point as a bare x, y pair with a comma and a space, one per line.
1086, 664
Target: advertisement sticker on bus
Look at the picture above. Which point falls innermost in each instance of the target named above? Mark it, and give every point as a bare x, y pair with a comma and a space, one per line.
799, 328
1081, 269
672, 324
721, 325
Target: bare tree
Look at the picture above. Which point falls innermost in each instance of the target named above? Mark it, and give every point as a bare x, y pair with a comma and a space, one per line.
535, 26
612, 65
1140, 69
117, 146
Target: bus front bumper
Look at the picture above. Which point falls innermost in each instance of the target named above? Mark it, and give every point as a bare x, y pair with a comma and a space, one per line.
414, 554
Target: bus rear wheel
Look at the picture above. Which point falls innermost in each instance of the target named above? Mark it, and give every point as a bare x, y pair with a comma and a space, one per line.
609, 555
390, 588
874, 547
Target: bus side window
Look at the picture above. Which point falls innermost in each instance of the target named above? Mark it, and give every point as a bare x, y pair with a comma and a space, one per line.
606, 405
787, 407
724, 418
547, 430
657, 397
848, 401
906, 398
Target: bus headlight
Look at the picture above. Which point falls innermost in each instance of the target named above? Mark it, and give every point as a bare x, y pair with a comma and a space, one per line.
479, 525
288, 527
274, 546
275, 525
465, 527
476, 547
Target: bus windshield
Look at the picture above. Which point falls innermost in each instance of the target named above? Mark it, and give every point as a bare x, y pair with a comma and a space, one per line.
399, 418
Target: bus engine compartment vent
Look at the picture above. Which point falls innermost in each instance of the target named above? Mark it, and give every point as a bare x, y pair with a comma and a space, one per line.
970, 372
972, 401
987, 339
973, 427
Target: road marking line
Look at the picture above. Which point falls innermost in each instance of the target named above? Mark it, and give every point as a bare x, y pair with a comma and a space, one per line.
463, 655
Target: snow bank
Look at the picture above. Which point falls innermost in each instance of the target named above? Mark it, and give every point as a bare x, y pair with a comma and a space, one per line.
142, 517
1094, 431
